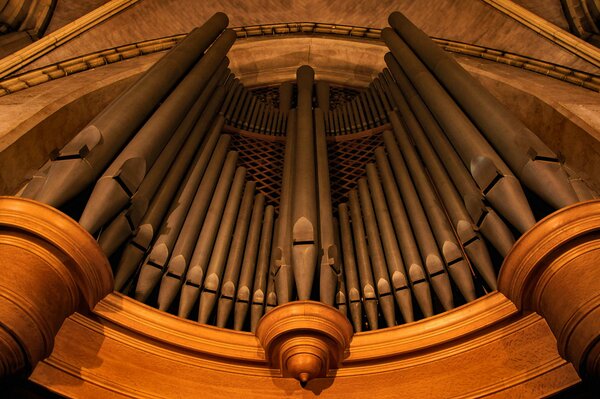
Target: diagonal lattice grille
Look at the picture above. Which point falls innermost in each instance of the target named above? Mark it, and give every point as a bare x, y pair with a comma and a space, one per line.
347, 161
263, 158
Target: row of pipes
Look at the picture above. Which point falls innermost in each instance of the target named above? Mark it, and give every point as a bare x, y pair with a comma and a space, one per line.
245, 111
188, 232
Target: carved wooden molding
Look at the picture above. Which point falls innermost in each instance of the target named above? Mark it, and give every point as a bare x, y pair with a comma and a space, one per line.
51, 267
304, 339
485, 347
553, 270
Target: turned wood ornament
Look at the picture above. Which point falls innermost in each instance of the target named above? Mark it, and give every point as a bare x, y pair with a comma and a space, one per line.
554, 270
51, 267
304, 339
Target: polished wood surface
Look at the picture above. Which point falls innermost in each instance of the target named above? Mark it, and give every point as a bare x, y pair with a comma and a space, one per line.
553, 270
304, 339
51, 268
483, 348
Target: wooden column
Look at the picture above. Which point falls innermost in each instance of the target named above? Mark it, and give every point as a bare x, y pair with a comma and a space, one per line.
554, 270
50, 267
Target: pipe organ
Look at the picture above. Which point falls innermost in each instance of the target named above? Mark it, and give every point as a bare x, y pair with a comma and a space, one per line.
220, 203
432, 204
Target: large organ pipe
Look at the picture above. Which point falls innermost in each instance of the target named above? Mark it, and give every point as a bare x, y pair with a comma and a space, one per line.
233, 104
367, 110
380, 92
177, 152
226, 198
440, 225
263, 266
341, 300
486, 219
98, 211
329, 268
531, 160
237, 282
171, 249
252, 126
136, 249
345, 118
404, 234
228, 249
336, 122
457, 211
267, 127
380, 109
400, 279
84, 157
125, 174
372, 107
361, 114
420, 226
365, 272
304, 203
282, 241
491, 173
231, 90
178, 261
357, 115
349, 266
380, 272
251, 112
239, 109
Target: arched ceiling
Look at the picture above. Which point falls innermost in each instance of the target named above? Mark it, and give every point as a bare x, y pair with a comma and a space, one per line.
469, 21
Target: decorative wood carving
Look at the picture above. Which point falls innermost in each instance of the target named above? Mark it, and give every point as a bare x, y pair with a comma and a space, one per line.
304, 339
51, 268
128, 349
553, 270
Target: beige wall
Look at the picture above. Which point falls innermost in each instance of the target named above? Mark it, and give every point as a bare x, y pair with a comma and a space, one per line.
470, 21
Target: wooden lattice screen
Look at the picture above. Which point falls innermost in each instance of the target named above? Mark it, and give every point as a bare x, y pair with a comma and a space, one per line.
347, 162
263, 159
262, 155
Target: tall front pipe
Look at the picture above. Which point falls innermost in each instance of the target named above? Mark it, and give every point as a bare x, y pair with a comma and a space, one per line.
467, 233
532, 161
180, 255
228, 188
304, 205
162, 177
380, 273
282, 240
330, 268
350, 272
124, 179
243, 286
263, 265
440, 225
485, 217
364, 264
491, 173
227, 252
418, 220
82, 160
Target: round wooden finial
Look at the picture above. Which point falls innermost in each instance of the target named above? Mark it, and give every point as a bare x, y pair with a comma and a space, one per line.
304, 339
